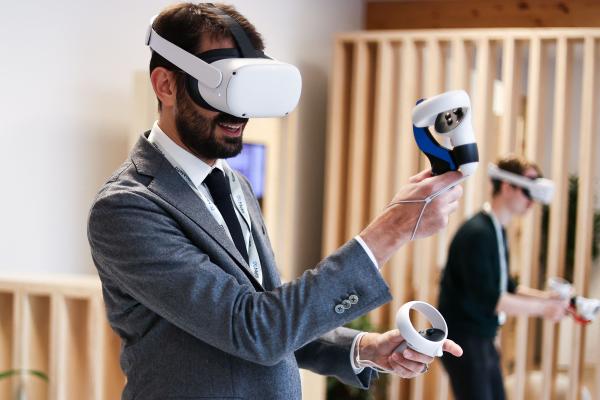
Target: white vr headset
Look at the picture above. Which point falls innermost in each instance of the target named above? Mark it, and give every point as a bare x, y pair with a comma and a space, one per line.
242, 81
538, 189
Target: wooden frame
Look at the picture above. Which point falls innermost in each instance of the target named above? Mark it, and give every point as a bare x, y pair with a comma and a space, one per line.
57, 324
411, 61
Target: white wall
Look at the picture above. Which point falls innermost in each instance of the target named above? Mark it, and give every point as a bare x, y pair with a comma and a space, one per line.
66, 71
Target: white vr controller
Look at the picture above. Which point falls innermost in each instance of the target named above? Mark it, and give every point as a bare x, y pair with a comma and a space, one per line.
430, 341
538, 189
584, 310
450, 115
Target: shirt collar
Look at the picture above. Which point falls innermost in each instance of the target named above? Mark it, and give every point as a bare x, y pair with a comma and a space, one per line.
196, 169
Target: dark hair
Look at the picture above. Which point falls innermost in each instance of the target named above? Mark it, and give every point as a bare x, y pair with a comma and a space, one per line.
514, 164
185, 24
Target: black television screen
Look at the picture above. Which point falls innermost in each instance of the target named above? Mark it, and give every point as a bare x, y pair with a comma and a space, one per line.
251, 163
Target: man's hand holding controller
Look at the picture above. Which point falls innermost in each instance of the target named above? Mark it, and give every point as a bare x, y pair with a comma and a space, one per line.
395, 225
422, 207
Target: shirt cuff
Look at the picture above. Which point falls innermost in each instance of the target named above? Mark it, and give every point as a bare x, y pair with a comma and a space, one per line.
357, 370
367, 250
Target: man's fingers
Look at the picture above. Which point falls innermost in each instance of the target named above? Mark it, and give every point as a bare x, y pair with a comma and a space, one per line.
452, 348
403, 367
439, 182
417, 357
401, 371
420, 176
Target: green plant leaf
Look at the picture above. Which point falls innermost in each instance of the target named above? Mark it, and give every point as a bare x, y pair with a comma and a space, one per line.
12, 372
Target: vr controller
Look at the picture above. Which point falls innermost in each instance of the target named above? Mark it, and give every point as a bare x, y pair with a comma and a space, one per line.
538, 189
429, 341
582, 309
450, 115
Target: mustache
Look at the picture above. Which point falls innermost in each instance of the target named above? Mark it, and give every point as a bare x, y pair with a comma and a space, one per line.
229, 119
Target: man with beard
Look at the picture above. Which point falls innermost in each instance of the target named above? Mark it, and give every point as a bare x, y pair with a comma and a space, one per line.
476, 292
188, 275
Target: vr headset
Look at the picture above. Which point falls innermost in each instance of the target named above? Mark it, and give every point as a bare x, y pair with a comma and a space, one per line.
240, 81
538, 189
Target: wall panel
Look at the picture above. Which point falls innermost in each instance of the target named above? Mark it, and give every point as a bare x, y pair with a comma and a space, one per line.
62, 331
520, 82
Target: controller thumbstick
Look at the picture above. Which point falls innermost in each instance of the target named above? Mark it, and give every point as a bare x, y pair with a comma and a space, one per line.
433, 334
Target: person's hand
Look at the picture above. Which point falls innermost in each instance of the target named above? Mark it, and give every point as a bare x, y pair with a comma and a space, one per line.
555, 309
379, 348
396, 224
435, 216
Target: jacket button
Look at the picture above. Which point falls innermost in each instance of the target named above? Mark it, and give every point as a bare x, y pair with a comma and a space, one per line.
339, 309
346, 304
353, 299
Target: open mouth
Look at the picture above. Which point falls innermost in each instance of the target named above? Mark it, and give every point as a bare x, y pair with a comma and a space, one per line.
233, 130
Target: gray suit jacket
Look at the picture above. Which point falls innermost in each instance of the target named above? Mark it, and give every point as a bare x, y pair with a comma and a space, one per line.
193, 321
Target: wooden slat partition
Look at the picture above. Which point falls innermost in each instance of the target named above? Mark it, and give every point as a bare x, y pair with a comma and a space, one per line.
585, 210
404, 165
57, 325
378, 76
558, 209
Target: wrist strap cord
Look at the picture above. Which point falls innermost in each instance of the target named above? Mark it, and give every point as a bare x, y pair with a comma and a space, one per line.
426, 202
367, 363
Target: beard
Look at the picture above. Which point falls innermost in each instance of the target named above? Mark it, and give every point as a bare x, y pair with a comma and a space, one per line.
198, 132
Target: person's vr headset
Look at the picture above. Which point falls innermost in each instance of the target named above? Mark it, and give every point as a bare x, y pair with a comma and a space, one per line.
239, 81
538, 189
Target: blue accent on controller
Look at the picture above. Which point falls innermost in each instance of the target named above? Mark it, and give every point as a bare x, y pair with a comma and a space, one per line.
439, 156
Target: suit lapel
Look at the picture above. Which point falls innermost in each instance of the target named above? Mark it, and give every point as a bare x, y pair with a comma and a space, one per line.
172, 187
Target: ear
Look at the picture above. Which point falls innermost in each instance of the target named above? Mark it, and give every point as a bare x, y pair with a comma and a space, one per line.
164, 85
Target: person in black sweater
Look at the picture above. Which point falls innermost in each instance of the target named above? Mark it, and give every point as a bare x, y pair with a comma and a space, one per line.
476, 291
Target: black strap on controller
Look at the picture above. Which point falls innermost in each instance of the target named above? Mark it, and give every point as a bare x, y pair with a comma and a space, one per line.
465, 153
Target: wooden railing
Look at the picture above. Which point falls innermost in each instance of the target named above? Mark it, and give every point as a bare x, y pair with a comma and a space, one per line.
534, 93
57, 325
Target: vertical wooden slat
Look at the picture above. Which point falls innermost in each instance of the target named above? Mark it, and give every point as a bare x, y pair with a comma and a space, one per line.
510, 95
596, 356
36, 322
529, 227
458, 81
96, 348
288, 248
113, 377
7, 335
335, 160
357, 165
585, 209
558, 209
381, 178
18, 339
382, 130
58, 356
482, 105
405, 164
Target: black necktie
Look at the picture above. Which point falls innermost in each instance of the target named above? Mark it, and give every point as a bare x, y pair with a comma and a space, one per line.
221, 194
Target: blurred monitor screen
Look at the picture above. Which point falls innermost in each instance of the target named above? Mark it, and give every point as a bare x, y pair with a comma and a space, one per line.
251, 163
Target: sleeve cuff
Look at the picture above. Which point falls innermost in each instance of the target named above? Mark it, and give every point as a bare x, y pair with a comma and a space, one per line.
357, 370
367, 250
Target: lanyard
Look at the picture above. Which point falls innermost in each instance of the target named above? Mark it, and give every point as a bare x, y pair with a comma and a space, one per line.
239, 202
487, 208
